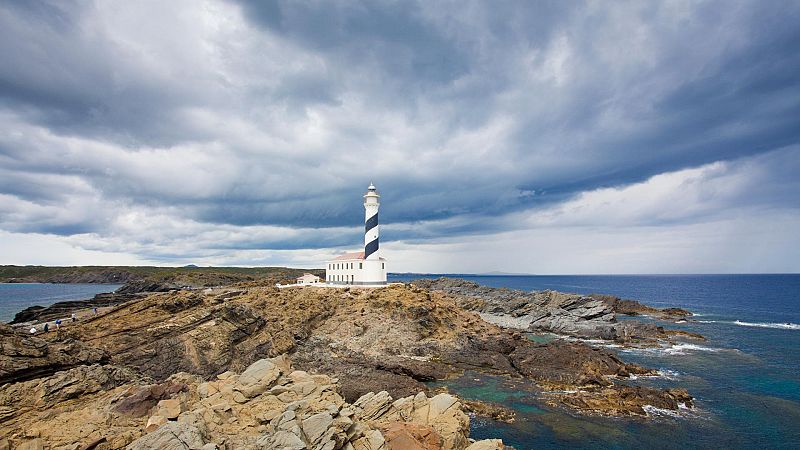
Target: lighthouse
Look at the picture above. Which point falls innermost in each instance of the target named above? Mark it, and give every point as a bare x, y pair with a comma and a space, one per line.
371, 233
364, 268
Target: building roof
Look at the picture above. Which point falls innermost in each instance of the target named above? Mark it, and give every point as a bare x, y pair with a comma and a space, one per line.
352, 256
306, 275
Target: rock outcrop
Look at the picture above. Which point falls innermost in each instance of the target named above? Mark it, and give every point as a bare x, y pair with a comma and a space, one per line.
61, 310
270, 405
590, 317
634, 308
206, 364
24, 356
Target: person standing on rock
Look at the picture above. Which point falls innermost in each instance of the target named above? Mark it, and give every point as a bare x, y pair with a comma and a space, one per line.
46, 327
95, 310
74, 318
58, 324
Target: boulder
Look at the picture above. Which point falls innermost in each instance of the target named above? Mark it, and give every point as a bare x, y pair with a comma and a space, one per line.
142, 399
316, 426
154, 422
257, 378
411, 436
487, 444
169, 409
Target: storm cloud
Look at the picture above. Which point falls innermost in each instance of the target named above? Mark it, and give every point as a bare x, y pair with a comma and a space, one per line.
225, 132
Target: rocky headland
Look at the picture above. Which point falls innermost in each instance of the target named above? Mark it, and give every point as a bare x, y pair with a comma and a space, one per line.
583, 316
163, 366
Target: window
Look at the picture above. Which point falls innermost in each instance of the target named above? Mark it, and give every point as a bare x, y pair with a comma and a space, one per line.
360, 265
382, 266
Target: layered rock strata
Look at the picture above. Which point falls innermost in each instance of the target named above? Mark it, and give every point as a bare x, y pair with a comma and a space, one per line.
590, 317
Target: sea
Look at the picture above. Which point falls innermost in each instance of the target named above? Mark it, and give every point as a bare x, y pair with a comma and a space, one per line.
745, 377
14, 297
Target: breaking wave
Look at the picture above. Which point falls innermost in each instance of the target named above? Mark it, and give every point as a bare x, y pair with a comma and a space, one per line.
675, 350
775, 325
779, 326
653, 411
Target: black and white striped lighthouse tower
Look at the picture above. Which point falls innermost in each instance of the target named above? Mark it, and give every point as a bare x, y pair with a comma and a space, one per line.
365, 268
371, 234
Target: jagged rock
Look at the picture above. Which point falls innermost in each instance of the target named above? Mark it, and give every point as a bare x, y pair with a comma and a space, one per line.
373, 405
371, 441
560, 364
172, 435
625, 400
442, 413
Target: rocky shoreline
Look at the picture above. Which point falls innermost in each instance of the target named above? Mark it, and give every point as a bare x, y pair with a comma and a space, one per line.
377, 344
582, 316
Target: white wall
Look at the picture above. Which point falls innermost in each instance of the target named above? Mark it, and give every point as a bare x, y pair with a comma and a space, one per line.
355, 271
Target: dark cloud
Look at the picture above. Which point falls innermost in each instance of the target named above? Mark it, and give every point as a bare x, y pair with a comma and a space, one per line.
272, 117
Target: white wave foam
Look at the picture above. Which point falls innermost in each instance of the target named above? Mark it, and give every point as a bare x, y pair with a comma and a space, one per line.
653, 411
779, 326
775, 325
675, 350
669, 374
684, 348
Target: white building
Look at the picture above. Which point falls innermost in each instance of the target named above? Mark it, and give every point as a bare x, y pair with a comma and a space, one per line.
308, 278
365, 268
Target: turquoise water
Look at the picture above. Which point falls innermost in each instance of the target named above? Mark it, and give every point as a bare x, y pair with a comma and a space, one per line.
14, 297
745, 377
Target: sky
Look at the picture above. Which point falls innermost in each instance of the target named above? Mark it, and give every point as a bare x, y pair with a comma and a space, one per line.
543, 137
